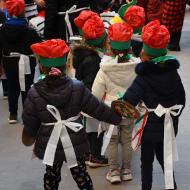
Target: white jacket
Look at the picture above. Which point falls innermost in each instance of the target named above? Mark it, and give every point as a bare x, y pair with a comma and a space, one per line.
113, 78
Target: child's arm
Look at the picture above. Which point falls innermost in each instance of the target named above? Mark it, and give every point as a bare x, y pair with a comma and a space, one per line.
30, 120
135, 92
97, 109
99, 87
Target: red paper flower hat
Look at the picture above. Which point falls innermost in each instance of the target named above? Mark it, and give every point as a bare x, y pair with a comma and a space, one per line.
155, 38
83, 17
93, 31
15, 7
135, 17
120, 35
52, 53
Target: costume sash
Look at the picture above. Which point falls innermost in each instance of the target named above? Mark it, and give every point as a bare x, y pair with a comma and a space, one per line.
60, 132
170, 147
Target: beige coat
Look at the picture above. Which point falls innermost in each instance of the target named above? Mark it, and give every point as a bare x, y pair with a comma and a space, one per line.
113, 78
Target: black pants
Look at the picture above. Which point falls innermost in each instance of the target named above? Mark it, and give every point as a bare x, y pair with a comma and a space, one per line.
52, 176
95, 142
12, 73
148, 150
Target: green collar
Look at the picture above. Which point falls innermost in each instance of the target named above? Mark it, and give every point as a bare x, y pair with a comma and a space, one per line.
163, 58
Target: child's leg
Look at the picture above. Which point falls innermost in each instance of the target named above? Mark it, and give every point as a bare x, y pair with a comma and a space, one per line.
11, 71
114, 172
81, 176
125, 138
147, 158
160, 157
52, 176
112, 151
126, 146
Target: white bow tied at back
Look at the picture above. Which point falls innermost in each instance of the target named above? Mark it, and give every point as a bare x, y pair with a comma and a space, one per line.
60, 132
170, 146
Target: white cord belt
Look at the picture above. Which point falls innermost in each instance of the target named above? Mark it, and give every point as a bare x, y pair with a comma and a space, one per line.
60, 132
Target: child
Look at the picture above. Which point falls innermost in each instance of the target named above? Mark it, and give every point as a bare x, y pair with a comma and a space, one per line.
135, 17
115, 75
86, 58
159, 86
15, 40
59, 98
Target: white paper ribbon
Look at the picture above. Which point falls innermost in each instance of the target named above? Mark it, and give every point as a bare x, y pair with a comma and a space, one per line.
73, 9
107, 138
24, 69
60, 132
170, 147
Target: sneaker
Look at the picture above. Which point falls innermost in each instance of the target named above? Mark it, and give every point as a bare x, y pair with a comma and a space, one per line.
126, 175
114, 176
12, 119
97, 162
5, 97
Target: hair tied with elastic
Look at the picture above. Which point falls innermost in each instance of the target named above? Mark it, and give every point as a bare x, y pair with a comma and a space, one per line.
55, 72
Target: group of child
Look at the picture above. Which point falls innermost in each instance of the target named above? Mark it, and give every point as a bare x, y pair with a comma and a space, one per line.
62, 115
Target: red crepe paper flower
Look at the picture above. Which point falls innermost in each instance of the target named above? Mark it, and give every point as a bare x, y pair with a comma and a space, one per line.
93, 28
120, 32
51, 48
135, 16
15, 7
155, 35
83, 17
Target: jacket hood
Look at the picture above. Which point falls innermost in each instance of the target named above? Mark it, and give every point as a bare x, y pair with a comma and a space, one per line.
162, 78
12, 33
58, 95
80, 53
119, 73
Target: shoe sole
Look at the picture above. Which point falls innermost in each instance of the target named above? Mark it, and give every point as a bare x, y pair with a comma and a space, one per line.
12, 121
96, 165
114, 180
127, 177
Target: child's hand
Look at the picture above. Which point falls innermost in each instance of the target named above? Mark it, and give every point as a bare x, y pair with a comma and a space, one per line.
125, 109
40, 3
26, 139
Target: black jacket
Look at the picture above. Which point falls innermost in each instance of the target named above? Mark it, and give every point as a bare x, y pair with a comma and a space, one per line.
70, 97
16, 39
156, 84
86, 63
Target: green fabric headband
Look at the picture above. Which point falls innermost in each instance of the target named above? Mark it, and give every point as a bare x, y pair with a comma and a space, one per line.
98, 41
154, 52
120, 45
52, 62
123, 8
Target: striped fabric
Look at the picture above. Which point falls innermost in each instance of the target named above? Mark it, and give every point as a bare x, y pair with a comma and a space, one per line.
38, 24
173, 14
30, 10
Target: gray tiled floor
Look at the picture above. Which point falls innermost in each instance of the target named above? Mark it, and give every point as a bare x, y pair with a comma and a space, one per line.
19, 172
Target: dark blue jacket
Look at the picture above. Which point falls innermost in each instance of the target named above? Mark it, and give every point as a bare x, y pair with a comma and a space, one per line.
156, 84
